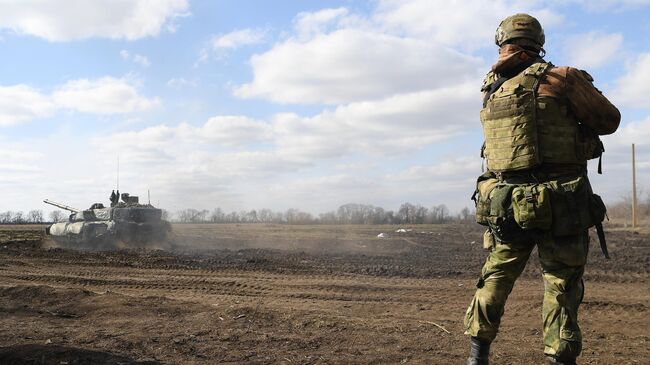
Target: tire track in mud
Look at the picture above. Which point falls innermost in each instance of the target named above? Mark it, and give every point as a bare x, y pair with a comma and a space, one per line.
404, 279
209, 284
253, 273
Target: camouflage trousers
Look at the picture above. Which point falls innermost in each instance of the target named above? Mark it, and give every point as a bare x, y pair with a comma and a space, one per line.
562, 259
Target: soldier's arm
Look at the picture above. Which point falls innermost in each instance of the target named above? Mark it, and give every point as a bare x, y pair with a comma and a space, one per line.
588, 104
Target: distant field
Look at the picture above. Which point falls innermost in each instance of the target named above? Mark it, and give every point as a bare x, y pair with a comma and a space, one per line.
281, 294
311, 238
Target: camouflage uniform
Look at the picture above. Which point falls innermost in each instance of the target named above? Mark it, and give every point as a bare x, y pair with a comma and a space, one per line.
562, 260
568, 113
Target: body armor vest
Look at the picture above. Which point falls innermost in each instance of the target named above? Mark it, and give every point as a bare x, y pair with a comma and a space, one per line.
523, 130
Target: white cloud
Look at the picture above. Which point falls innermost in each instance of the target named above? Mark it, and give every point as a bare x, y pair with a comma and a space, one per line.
632, 132
322, 193
593, 49
179, 82
605, 5
21, 103
352, 65
248, 150
633, 88
308, 24
398, 124
240, 154
135, 58
335, 56
454, 168
233, 130
220, 45
18, 167
468, 24
11, 152
164, 143
238, 38
106, 95
616, 181
454, 176
412, 183
81, 19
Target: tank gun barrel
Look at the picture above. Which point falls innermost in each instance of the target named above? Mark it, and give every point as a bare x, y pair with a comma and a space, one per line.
62, 206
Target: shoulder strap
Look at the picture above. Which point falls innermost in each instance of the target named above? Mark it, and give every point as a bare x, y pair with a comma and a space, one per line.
601, 239
489, 79
533, 74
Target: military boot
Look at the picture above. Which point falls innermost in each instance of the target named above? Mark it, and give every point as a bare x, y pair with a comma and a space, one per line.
478, 352
554, 361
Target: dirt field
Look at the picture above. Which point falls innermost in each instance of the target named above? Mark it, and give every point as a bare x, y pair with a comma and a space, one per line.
267, 294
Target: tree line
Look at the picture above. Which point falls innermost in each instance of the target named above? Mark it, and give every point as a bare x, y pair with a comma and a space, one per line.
19, 217
346, 214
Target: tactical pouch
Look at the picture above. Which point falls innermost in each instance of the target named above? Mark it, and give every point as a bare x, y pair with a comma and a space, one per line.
588, 144
597, 208
532, 206
500, 203
488, 240
574, 207
484, 186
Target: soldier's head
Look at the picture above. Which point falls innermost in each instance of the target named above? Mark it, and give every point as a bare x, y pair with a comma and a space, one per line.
522, 30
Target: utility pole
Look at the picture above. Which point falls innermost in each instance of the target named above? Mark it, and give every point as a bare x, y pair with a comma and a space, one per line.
633, 188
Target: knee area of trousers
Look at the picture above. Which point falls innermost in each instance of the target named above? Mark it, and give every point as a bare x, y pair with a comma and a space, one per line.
491, 296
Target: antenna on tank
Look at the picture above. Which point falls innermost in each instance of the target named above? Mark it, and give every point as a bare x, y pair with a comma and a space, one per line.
148, 197
118, 172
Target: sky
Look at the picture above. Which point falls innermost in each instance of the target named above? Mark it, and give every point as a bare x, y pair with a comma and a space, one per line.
283, 104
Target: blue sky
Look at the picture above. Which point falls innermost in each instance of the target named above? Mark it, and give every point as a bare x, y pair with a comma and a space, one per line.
279, 104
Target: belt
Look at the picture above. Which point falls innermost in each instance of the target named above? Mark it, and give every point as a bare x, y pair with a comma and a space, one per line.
536, 177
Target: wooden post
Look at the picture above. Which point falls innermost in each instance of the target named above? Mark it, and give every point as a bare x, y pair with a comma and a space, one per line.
633, 188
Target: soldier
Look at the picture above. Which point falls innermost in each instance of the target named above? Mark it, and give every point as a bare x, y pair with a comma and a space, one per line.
541, 125
114, 198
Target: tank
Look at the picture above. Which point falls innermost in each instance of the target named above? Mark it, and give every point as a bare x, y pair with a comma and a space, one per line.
126, 221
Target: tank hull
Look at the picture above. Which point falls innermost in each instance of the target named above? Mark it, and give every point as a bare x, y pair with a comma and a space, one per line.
101, 234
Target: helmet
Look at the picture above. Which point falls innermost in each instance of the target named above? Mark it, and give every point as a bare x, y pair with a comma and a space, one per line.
522, 27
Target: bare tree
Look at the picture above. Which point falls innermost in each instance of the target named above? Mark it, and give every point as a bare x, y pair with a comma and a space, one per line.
439, 214
165, 215
328, 218
265, 215
420, 214
18, 218
351, 213
35, 216
291, 215
251, 217
233, 217
217, 216
6, 217
465, 214
56, 216
406, 213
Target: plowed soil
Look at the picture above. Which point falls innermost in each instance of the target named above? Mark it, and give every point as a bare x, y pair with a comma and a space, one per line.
268, 294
